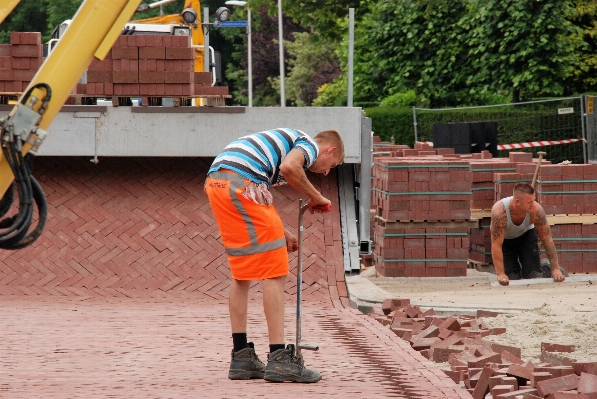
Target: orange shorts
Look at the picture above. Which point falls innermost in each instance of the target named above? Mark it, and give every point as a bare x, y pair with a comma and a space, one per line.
252, 234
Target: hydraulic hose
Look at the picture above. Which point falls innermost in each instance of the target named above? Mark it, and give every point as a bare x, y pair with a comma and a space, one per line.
15, 230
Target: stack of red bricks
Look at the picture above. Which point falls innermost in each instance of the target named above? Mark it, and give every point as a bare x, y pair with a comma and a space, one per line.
420, 252
486, 367
569, 189
480, 242
419, 186
576, 245
19, 61
144, 65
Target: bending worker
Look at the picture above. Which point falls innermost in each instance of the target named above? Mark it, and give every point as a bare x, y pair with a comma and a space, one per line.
515, 224
238, 185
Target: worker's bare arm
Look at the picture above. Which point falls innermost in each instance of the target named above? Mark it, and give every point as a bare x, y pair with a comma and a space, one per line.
499, 220
544, 233
292, 170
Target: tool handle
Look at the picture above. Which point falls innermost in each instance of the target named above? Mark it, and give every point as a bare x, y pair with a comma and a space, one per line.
309, 347
326, 208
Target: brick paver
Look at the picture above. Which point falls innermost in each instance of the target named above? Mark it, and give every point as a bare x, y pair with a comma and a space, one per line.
126, 348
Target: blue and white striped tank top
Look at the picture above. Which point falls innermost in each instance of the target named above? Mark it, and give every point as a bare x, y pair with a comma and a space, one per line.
258, 156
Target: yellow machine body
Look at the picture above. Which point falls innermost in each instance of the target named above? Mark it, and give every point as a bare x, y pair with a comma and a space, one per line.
93, 31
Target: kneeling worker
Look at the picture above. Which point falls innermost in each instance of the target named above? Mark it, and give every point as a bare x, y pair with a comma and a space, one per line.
516, 222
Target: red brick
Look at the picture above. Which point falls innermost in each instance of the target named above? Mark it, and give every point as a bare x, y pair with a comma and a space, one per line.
572, 395
555, 347
484, 360
178, 77
507, 357
517, 394
180, 53
451, 323
499, 389
203, 78
391, 304
564, 383
23, 74
121, 53
482, 385
487, 313
151, 76
99, 76
585, 367
6, 74
125, 77
587, 383
155, 53
539, 376
524, 371
26, 50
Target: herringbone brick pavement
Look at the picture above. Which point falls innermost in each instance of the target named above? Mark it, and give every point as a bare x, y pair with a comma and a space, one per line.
143, 228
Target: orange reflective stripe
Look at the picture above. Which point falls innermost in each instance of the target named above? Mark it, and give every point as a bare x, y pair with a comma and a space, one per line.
252, 233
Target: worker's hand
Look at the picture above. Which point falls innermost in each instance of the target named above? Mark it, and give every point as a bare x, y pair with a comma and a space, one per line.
291, 241
320, 205
557, 275
503, 279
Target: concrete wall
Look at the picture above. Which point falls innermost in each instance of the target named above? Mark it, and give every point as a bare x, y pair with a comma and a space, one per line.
185, 131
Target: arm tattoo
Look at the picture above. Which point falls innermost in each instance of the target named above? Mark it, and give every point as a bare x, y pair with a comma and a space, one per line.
499, 220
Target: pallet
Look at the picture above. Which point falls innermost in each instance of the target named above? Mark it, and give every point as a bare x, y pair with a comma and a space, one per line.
481, 267
124, 101
480, 213
571, 219
428, 224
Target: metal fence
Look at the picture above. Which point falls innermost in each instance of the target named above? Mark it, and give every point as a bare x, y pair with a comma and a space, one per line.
554, 120
591, 127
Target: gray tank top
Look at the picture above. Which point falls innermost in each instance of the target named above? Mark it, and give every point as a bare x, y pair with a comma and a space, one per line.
513, 231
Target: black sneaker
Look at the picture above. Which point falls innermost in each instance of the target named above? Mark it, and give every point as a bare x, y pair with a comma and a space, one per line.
546, 269
245, 364
283, 365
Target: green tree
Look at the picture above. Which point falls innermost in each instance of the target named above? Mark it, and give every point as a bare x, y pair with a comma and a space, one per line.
585, 75
527, 48
27, 16
311, 66
416, 45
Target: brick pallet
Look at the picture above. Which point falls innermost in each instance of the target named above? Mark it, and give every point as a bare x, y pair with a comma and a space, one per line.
418, 196
148, 66
19, 61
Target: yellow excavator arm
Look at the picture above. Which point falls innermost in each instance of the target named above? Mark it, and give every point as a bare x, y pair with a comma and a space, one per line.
6, 6
92, 33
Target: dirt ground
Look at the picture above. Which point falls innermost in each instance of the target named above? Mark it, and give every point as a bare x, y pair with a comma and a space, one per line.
554, 312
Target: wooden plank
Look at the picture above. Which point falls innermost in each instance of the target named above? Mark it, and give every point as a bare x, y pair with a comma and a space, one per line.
571, 219
480, 213
414, 224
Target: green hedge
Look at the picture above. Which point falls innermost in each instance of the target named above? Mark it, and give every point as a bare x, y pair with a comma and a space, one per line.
390, 121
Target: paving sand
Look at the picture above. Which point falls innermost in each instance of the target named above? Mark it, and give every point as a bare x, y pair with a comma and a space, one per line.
563, 313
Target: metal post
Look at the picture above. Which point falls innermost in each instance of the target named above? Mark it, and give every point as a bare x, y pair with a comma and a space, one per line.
350, 54
364, 194
583, 119
206, 67
250, 60
415, 122
281, 39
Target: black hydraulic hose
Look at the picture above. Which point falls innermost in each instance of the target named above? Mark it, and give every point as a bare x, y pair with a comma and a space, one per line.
6, 201
14, 229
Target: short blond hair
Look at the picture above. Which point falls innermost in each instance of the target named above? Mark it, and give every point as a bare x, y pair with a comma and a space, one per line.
333, 138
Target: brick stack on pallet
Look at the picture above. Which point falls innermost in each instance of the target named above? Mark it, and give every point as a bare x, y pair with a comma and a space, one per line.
148, 66
422, 205
486, 367
19, 61
576, 245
